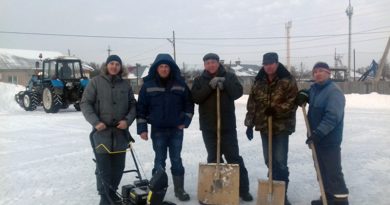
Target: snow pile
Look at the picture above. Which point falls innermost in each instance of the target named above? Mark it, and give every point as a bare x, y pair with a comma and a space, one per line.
368, 101
7, 97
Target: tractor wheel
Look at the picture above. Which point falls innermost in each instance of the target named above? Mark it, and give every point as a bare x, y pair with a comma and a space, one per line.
51, 101
77, 106
30, 101
19, 98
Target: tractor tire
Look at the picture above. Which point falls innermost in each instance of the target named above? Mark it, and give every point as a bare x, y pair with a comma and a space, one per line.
30, 101
51, 101
77, 106
19, 98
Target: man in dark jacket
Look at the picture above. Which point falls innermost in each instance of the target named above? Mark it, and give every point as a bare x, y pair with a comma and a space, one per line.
108, 104
273, 95
204, 93
165, 102
326, 119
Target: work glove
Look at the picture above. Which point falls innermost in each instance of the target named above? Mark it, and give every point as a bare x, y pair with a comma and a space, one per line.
302, 97
313, 138
217, 81
249, 133
269, 111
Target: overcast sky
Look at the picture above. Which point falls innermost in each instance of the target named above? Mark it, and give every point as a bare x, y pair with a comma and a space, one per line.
217, 19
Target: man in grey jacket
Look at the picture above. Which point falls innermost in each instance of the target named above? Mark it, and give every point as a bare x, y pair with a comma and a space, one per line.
108, 104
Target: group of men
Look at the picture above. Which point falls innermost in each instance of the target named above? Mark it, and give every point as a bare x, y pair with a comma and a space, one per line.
167, 104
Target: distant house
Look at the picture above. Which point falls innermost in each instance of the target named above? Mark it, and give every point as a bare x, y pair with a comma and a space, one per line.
17, 66
135, 74
246, 73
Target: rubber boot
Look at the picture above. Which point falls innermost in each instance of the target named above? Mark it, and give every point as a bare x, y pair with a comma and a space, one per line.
340, 201
104, 200
115, 198
178, 182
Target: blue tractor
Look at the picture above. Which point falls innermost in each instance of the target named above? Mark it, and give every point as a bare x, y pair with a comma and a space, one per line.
60, 84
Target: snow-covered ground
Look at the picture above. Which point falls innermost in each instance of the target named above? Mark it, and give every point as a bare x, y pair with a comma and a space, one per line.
46, 158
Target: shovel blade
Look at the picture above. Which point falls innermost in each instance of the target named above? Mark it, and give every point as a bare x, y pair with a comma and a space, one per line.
276, 197
218, 184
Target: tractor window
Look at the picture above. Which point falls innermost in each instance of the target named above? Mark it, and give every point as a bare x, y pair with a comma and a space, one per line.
52, 70
49, 69
65, 70
77, 69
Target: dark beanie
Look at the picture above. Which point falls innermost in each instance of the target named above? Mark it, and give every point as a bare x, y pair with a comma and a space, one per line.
113, 58
211, 56
270, 58
321, 65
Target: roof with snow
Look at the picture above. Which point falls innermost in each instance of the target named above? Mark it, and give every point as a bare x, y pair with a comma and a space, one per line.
245, 69
23, 59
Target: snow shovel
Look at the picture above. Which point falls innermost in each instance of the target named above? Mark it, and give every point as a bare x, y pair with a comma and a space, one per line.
218, 183
314, 154
270, 192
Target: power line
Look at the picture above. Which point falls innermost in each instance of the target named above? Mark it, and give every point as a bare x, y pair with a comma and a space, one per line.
185, 38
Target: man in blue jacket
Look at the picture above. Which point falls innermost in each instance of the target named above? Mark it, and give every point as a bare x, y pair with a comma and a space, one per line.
165, 102
326, 119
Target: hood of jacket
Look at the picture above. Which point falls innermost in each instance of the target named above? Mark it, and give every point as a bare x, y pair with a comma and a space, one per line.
163, 58
281, 72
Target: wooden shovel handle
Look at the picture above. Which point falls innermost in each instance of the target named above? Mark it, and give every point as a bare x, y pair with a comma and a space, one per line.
314, 154
270, 155
218, 127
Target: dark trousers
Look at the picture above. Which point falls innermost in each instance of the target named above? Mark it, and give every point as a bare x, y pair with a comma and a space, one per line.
168, 139
111, 168
279, 156
229, 149
329, 159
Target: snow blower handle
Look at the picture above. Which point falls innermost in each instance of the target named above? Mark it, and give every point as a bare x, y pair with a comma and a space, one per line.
314, 154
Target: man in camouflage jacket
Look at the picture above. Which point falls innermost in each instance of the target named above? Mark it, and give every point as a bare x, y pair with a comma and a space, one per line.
273, 95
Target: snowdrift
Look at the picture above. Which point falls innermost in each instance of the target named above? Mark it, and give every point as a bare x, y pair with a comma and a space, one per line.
7, 97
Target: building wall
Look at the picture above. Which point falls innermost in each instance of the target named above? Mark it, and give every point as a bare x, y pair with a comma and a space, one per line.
16, 76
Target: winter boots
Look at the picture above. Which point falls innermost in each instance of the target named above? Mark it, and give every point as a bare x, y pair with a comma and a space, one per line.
332, 201
178, 182
246, 196
286, 201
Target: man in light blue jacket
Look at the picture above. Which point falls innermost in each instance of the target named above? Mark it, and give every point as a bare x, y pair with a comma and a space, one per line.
326, 119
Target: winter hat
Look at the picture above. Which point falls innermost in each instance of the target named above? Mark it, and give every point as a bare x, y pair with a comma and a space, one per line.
113, 58
322, 65
270, 58
210, 56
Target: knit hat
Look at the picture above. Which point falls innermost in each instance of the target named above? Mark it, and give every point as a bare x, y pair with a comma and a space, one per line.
113, 58
211, 56
322, 65
270, 58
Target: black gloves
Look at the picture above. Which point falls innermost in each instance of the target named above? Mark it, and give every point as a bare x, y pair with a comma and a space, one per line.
249, 133
269, 111
302, 97
217, 81
313, 139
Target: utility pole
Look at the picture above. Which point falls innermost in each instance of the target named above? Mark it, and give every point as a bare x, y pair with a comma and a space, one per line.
349, 12
288, 27
382, 63
354, 64
109, 51
173, 42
